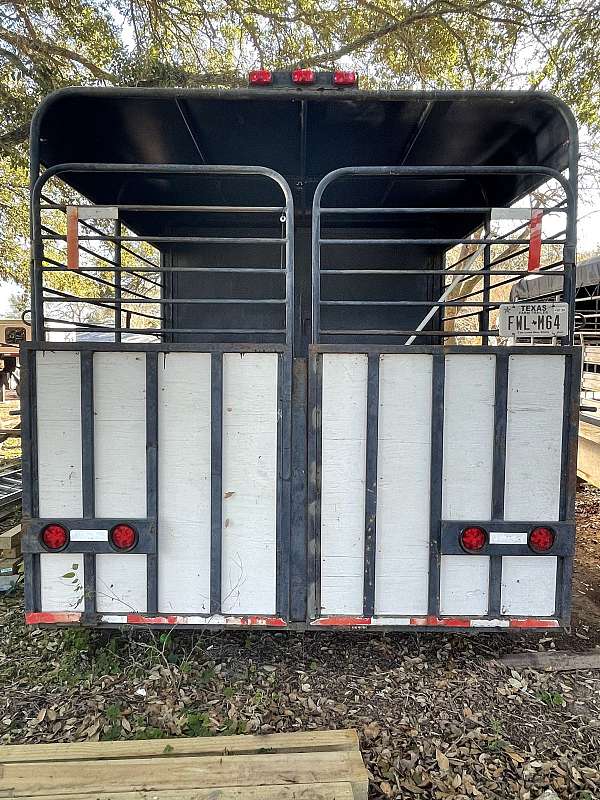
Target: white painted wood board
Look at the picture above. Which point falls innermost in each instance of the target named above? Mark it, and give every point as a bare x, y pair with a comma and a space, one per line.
184, 481
403, 490
58, 393
534, 437
343, 449
528, 586
120, 472
464, 585
249, 501
469, 394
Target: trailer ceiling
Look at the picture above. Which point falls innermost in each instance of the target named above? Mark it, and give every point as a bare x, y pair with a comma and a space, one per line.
303, 134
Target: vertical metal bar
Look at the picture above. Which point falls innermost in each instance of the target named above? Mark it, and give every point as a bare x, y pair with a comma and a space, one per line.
299, 533
498, 474
316, 272
371, 485
87, 468
118, 277
314, 485
564, 575
152, 474
284, 368
436, 471
485, 311
216, 478
289, 270
29, 501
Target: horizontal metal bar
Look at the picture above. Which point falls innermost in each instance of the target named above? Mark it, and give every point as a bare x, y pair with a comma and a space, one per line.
166, 302
435, 210
189, 208
175, 239
474, 242
409, 303
155, 331
158, 270
446, 271
424, 333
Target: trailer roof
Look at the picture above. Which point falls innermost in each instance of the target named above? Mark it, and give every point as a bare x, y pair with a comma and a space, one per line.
304, 134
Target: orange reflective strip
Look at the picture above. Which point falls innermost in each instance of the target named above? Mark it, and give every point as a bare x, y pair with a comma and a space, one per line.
535, 241
72, 237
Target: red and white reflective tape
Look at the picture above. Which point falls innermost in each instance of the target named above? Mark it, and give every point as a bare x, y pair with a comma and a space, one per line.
435, 622
261, 621
535, 241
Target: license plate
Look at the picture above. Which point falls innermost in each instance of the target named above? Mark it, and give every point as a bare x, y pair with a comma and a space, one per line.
534, 319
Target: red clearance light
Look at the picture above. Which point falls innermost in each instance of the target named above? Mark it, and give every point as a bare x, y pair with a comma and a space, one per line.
303, 76
541, 539
123, 537
260, 77
55, 537
473, 539
344, 78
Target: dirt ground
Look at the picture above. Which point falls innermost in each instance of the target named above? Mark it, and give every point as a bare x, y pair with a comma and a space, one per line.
437, 715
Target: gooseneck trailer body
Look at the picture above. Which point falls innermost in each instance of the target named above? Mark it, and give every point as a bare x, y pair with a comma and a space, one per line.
286, 400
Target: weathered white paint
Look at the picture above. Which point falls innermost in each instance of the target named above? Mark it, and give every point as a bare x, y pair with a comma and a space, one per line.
533, 475
344, 433
467, 472
62, 581
464, 585
88, 535
505, 537
403, 476
534, 436
184, 408
58, 386
120, 471
249, 483
528, 585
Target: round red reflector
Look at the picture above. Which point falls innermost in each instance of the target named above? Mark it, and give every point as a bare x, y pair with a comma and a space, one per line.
541, 539
123, 537
473, 539
55, 537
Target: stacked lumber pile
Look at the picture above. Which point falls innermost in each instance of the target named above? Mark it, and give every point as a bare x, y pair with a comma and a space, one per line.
320, 765
10, 557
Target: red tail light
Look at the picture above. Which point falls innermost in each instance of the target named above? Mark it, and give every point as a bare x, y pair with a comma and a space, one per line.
303, 76
473, 539
260, 77
123, 537
541, 539
55, 537
343, 78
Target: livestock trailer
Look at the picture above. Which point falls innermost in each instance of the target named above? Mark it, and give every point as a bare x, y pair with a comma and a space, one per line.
324, 422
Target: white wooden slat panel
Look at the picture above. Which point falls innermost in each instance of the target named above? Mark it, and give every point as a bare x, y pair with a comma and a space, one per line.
184, 473
403, 491
60, 593
469, 394
58, 387
533, 475
343, 449
534, 436
528, 586
249, 483
464, 585
120, 472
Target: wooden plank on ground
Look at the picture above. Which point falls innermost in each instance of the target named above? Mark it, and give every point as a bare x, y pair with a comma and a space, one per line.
150, 774
304, 791
310, 741
10, 538
558, 661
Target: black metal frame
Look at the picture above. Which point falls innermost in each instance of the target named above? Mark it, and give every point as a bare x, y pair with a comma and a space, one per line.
444, 533
481, 307
41, 264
